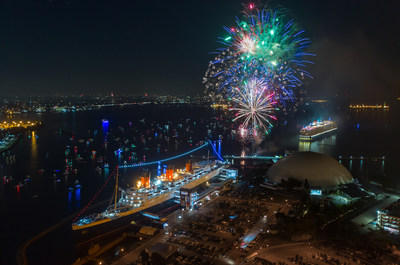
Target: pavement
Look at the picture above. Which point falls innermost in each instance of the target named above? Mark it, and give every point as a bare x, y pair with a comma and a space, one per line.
133, 255
283, 252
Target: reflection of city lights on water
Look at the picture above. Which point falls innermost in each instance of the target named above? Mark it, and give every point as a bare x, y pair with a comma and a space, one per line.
304, 146
33, 145
78, 198
69, 199
78, 194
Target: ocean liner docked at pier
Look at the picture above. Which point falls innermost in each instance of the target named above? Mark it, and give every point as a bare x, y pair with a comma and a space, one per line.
134, 200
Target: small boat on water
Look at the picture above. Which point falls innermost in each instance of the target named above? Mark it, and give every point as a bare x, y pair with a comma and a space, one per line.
28, 179
7, 142
77, 184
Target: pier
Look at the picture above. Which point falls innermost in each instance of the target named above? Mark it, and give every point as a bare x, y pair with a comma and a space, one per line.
373, 158
8, 125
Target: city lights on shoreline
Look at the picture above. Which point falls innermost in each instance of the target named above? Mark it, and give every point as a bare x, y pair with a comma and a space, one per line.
5, 125
362, 106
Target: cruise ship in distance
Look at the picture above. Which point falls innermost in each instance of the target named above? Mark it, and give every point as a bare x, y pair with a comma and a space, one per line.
144, 196
316, 129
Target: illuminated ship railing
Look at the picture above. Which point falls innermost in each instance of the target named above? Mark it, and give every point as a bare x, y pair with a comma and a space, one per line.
217, 153
163, 160
143, 164
316, 129
254, 157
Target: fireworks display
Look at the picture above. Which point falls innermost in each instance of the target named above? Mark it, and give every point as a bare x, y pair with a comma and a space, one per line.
262, 44
254, 106
261, 62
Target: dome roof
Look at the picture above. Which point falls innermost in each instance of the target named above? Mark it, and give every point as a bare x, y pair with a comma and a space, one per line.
319, 170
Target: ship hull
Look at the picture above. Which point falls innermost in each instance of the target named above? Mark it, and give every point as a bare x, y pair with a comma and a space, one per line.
317, 129
89, 232
87, 235
99, 230
317, 135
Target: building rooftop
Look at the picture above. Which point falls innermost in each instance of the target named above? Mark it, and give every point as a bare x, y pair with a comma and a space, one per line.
353, 191
163, 249
393, 209
148, 230
319, 170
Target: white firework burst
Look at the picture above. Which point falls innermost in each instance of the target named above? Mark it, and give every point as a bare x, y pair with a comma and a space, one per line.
254, 105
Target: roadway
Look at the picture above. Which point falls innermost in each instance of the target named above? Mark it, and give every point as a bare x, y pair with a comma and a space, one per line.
308, 251
133, 255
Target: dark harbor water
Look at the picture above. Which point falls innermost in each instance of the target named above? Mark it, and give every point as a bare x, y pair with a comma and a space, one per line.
40, 187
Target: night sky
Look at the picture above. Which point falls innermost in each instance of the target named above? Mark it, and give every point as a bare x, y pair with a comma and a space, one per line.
65, 47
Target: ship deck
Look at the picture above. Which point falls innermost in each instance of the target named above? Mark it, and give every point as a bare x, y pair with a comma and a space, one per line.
156, 199
317, 129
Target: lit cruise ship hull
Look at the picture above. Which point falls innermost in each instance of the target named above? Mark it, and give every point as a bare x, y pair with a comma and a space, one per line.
317, 129
108, 225
84, 232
